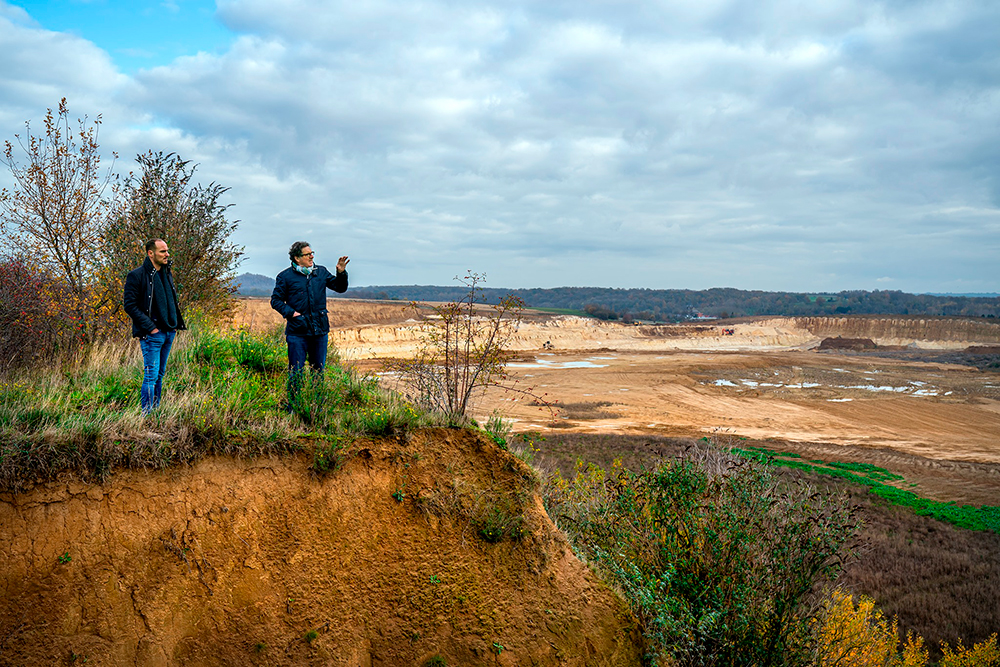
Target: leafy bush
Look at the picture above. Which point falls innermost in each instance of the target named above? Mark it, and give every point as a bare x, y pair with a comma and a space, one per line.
715, 559
859, 635
983, 654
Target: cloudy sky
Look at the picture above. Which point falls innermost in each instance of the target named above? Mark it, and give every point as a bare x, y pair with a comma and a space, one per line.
759, 144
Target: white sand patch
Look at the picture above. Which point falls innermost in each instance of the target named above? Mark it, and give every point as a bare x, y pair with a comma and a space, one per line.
872, 387
557, 365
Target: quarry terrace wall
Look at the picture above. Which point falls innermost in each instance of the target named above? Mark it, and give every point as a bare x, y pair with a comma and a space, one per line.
930, 332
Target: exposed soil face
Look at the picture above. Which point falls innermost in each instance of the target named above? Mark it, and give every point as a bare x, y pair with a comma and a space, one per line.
244, 563
840, 343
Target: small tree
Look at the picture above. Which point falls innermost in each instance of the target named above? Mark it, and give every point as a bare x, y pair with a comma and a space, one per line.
54, 214
464, 352
163, 201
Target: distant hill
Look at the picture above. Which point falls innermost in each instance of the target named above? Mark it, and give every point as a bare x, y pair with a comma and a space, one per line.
254, 284
676, 305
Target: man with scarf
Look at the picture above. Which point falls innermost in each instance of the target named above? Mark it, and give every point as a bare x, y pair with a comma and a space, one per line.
151, 303
300, 296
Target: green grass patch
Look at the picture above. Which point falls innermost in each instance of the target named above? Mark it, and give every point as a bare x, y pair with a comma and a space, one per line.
986, 518
225, 392
561, 311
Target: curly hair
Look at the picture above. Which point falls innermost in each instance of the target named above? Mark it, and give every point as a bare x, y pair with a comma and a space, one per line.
296, 249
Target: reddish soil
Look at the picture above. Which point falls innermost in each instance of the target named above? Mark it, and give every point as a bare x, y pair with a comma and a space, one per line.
262, 563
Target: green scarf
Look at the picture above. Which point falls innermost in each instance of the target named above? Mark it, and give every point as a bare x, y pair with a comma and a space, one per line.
304, 270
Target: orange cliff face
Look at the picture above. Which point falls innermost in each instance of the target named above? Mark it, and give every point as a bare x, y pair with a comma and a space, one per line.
234, 562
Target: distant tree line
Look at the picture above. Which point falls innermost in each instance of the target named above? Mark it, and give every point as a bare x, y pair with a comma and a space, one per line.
652, 305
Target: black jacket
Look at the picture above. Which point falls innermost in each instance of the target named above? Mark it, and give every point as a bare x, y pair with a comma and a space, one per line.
306, 295
139, 298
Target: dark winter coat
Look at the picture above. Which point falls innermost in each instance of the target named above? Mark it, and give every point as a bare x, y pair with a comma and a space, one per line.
294, 292
139, 298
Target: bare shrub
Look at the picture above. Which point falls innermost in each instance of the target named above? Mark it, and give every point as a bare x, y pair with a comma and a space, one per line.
464, 352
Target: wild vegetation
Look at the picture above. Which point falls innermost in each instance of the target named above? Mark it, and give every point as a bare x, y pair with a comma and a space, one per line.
464, 352
716, 558
163, 200
860, 634
932, 580
51, 219
225, 393
876, 478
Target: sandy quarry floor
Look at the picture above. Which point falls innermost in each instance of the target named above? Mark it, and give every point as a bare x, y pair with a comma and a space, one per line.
936, 423
935, 410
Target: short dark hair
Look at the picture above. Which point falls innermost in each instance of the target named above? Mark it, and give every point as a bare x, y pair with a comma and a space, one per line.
296, 249
151, 244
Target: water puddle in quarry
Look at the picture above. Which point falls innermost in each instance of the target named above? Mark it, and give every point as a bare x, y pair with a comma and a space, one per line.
912, 388
554, 364
824, 381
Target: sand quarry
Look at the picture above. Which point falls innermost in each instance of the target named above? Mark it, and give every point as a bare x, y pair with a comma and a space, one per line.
262, 562
917, 404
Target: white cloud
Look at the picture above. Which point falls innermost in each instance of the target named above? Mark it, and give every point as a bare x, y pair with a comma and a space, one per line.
771, 145
39, 67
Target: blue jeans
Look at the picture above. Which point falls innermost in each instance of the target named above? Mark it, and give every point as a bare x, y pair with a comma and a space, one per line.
155, 350
300, 349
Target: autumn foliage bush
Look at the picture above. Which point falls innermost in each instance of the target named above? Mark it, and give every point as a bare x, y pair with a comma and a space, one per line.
857, 634
34, 319
83, 229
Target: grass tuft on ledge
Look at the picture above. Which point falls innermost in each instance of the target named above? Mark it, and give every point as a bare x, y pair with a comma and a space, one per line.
224, 392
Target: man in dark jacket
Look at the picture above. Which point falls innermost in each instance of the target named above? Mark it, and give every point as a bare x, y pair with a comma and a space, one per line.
151, 303
300, 296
